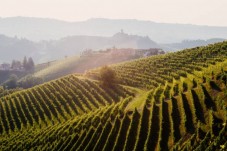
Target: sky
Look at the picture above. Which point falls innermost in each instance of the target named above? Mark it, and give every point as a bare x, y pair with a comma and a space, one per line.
200, 12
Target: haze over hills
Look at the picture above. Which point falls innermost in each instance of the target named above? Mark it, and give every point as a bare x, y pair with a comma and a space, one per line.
37, 29
43, 51
116, 75
190, 44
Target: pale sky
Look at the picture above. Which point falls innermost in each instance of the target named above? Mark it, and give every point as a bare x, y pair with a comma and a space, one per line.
201, 12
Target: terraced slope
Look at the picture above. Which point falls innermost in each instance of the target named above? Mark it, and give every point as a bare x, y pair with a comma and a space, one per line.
153, 71
186, 120
171, 102
56, 69
56, 101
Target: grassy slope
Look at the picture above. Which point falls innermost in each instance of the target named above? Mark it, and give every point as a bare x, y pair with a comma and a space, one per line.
58, 68
76, 64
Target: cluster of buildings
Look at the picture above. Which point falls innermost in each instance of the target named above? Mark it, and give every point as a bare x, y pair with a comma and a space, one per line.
118, 52
7, 66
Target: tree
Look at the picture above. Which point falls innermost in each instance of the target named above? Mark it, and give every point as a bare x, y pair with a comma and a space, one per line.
30, 64
29, 81
12, 82
25, 62
13, 64
16, 64
107, 76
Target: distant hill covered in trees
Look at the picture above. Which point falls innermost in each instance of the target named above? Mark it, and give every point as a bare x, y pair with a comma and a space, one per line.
45, 51
49, 29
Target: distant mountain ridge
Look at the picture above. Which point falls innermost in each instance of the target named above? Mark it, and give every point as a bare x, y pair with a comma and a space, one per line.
43, 51
37, 29
15, 48
190, 44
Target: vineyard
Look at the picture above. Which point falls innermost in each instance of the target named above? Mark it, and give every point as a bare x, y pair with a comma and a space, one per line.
175, 101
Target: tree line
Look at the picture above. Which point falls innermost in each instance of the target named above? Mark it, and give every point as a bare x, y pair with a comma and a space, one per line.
26, 64
28, 67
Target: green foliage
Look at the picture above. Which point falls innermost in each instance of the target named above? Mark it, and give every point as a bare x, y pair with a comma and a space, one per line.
81, 114
176, 89
153, 71
29, 64
1, 89
194, 83
185, 86
167, 92
29, 81
107, 76
11, 83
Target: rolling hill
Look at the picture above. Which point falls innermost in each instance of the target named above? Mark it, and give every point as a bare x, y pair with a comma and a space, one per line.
175, 101
92, 59
190, 44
